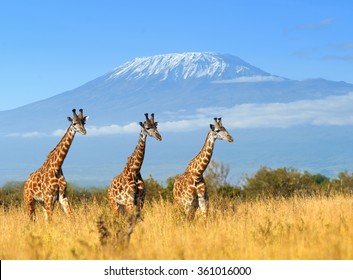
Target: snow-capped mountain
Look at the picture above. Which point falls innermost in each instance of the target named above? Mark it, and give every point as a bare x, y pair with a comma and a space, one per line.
183, 66
168, 83
185, 91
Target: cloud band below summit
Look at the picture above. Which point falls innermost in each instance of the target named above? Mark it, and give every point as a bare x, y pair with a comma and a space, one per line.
332, 110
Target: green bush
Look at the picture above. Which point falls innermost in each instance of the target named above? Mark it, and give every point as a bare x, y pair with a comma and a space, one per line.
80, 195
11, 194
155, 191
342, 184
285, 182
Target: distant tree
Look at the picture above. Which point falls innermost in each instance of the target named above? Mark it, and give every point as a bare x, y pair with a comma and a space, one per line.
318, 179
169, 189
284, 182
11, 194
216, 176
216, 181
344, 183
229, 191
81, 195
155, 191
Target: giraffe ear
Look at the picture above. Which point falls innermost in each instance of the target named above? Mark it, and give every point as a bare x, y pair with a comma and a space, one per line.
85, 119
212, 127
156, 124
141, 124
69, 119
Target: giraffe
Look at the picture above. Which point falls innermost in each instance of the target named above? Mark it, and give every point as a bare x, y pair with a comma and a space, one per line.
47, 184
128, 188
189, 188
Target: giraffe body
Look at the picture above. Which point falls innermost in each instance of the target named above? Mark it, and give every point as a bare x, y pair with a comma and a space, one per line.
47, 184
127, 190
189, 188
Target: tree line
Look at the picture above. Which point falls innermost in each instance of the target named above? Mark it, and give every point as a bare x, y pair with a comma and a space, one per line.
265, 183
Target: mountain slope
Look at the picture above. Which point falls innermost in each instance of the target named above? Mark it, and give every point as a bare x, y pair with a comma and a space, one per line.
164, 84
212, 66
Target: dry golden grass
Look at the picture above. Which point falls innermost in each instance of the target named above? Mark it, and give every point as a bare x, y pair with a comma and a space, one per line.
297, 228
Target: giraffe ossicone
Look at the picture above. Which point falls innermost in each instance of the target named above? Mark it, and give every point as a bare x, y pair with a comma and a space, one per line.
47, 184
189, 188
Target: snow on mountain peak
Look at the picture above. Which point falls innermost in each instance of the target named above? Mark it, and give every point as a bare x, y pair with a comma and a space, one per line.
182, 66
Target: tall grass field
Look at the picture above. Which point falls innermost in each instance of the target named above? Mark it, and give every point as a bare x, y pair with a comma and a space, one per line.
293, 228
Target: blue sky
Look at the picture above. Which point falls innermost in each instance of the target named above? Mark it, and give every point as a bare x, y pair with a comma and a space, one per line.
48, 47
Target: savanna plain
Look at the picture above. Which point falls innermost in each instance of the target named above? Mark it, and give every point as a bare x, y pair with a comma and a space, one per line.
314, 227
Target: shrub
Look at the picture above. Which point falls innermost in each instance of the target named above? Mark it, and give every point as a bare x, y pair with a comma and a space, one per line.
285, 182
11, 194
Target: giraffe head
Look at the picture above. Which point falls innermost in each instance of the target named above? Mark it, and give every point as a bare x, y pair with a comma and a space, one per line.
78, 121
149, 127
219, 131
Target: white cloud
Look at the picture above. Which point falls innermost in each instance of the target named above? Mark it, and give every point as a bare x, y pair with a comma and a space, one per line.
104, 130
112, 129
332, 110
184, 125
58, 132
32, 134
91, 131
252, 79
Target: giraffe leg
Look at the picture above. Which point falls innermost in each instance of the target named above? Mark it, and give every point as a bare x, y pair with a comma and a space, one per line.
140, 197
29, 202
139, 203
130, 208
202, 196
46, 217
48, 206
111, 198
65, 203
30, 208
62, 196
190, 211
114, 206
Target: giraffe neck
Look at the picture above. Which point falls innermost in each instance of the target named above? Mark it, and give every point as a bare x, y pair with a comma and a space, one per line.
136, 159
57, 156
200, 162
